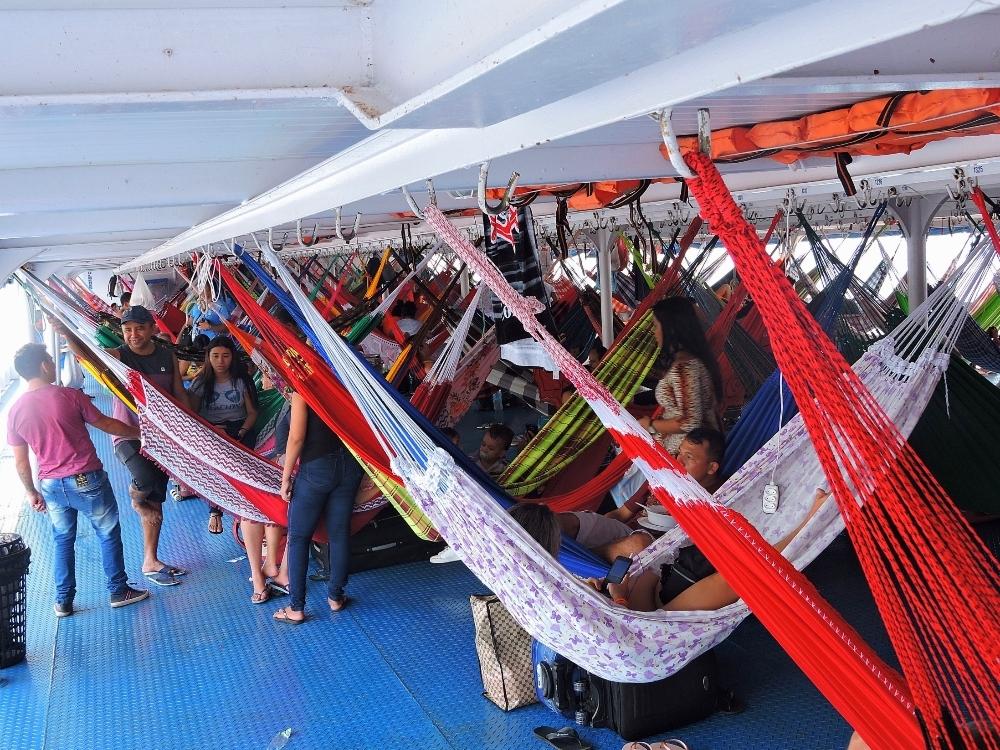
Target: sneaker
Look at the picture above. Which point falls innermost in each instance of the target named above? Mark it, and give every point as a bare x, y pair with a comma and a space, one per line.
63, 609
446, 555
129, 596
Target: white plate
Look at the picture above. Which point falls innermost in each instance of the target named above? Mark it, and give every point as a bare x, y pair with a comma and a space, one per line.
647, 524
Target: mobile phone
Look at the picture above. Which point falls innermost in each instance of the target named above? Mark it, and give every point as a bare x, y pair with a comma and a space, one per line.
618, 570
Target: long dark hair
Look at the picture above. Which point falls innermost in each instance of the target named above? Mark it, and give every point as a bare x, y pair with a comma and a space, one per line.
237, 371
682, 331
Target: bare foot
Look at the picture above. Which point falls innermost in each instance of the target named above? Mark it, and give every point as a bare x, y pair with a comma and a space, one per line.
214, 524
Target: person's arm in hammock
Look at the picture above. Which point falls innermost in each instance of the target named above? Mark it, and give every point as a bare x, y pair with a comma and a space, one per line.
713, 592
75, 345
296, 439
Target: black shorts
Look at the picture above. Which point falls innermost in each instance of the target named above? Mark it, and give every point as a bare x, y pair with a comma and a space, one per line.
146, 476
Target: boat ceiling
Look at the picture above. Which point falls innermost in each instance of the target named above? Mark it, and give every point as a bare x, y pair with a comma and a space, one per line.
147, 129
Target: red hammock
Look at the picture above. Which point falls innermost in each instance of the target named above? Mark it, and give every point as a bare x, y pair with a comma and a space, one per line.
936, 585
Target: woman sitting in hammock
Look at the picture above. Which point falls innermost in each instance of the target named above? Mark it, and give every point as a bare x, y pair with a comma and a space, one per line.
224, 394
652, 589
691, 387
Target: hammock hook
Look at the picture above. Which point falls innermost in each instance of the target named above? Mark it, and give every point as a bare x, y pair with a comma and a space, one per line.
673, 147
486, 208
270, 240
431, 198
340, 232
298, 234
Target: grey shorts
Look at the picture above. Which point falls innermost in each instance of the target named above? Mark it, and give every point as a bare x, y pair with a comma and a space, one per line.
146, 475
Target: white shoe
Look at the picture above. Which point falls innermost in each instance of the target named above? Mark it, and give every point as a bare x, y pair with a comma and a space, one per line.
446, 555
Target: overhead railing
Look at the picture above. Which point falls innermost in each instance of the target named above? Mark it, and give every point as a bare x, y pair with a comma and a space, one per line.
389, 159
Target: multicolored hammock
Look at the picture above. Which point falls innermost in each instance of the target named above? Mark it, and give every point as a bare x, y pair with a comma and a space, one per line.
867, 692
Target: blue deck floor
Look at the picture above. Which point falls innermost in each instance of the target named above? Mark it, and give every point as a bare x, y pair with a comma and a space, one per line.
199, 666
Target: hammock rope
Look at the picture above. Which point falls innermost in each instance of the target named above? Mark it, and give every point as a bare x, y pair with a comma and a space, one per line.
916, 550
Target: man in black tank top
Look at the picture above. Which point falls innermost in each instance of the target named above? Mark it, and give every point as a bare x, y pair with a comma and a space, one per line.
148, 488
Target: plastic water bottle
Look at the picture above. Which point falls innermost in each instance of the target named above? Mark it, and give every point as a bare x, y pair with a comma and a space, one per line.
498, 401
280, 739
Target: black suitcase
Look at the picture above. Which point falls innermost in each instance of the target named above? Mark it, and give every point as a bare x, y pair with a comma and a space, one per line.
634, 711
385, 540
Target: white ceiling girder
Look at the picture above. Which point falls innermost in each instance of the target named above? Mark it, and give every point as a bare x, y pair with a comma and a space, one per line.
387, 160
112, 50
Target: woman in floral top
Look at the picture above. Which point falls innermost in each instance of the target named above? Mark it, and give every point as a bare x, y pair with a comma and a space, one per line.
690, 390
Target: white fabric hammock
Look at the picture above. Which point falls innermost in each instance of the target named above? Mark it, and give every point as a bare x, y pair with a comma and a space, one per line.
561, 610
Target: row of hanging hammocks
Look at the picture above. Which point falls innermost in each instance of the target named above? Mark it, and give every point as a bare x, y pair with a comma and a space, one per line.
553, 603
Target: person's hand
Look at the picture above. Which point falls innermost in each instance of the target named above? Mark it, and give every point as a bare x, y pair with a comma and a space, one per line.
36, 501
286, 489
57, 325
204, 325
619, 590
596, 583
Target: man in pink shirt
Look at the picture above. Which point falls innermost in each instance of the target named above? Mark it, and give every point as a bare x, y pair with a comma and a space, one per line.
52, 421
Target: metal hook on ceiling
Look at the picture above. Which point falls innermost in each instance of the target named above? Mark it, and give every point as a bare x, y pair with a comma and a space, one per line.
673, 148
340, 231
270, 240
431, 198
298, 234
486, 208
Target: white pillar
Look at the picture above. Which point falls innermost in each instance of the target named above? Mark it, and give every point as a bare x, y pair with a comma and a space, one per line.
463, 281
604, 275
915, 220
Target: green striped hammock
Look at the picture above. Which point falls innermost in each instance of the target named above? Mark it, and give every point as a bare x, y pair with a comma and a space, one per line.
574, 426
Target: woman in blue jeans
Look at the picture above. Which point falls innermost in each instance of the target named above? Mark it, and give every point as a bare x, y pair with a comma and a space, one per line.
324, 487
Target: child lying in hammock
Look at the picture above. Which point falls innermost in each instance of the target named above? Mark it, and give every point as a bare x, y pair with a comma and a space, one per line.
644, 593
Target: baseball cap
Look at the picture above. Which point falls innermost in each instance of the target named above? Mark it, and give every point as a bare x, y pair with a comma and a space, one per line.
137, 314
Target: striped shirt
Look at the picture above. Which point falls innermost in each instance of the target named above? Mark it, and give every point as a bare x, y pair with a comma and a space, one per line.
686, 393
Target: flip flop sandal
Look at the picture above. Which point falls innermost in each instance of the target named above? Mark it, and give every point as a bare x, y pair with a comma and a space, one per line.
341, 604
168, 570
562, 739
162, 579
277, 588
260, 598
282, 616
665, 745
212, 517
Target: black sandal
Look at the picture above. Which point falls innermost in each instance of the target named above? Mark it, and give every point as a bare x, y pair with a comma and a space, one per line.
213, 514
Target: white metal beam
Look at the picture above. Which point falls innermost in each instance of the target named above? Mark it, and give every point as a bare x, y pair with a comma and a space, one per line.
387, 160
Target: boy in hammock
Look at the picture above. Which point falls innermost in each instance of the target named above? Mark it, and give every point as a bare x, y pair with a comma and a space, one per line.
609, 536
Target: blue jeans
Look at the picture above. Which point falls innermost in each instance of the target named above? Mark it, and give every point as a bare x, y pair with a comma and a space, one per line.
324, 487
90, 494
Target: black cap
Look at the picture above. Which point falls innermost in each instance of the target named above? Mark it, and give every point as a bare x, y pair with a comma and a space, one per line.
137, 314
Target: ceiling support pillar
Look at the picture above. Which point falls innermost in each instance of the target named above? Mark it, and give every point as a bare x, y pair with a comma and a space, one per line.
915, 219
604, 278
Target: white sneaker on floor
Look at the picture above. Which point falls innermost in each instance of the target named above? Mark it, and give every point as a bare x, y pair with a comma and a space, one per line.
446, 555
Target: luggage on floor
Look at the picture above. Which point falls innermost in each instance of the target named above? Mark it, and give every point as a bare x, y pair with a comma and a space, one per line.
633, 711
385, 540
504, 650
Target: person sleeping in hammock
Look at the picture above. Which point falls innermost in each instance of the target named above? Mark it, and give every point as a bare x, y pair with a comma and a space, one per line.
646, 592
